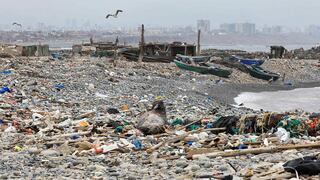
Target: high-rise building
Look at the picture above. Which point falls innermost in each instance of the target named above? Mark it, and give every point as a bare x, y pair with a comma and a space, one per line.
204, 25
228, 28
246, 28
313, 30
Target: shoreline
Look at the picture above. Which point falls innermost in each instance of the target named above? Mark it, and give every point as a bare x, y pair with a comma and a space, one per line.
226, 93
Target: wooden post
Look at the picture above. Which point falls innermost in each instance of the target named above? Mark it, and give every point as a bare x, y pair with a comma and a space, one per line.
198, 46
141, 45
186, 49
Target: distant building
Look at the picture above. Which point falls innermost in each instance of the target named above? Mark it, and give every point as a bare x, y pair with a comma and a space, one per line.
239, 28
313, 30
272, 30
246, 28
204, 25
228, 28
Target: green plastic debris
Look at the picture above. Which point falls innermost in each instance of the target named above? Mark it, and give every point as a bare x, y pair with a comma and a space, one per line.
176, 122
194, 127
119, 129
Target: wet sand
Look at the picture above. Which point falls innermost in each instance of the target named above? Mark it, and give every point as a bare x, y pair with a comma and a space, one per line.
307, 99
226, 93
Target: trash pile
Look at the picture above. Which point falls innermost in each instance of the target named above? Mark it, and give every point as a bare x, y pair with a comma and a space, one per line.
313, 53
85, 118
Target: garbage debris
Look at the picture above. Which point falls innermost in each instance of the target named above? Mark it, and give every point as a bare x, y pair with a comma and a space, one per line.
66, 119
309, 165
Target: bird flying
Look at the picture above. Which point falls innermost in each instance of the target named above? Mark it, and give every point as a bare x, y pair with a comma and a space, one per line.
114, 15
16, 24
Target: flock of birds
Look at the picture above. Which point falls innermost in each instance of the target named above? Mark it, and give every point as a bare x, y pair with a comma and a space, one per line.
107, 17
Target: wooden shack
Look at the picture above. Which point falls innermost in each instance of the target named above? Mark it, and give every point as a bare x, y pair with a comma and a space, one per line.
35, 50
160, 52
170, 50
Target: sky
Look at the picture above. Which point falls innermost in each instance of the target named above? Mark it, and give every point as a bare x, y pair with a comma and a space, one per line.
290, 13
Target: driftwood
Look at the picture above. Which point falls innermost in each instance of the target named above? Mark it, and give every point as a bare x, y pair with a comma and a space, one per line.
255, 150
187, 125
169, 141
179, 138
275, 174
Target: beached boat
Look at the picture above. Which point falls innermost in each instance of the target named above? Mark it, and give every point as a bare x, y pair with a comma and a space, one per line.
232, 64
195, 59
135, 57
203, 69
258, 72
257, 62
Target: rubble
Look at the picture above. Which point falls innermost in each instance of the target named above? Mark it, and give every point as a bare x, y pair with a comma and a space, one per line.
67, 119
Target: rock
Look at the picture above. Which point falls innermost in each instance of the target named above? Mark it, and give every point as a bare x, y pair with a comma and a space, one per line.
91, 87
114, 174
275, 158
193, 167
113, 111
33, 150
50, 152
207, 165
179, 170
182, 163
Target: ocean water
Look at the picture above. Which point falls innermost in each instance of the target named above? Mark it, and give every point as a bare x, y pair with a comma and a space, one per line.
254, 48
307, 99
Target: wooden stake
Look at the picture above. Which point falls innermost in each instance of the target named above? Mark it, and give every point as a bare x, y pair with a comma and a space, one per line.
186, 49
198, 46
141, 45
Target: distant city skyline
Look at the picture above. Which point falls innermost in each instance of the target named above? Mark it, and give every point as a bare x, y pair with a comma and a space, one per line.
168, 13
246, 28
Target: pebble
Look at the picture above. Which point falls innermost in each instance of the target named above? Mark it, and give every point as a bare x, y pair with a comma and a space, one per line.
207, 165
50, 152
193, 167
182, 163
179, 170
33, 150
114, 174
274, 158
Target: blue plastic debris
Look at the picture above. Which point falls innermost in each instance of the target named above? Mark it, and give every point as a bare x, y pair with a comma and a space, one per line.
6, 72
209, 126
137, 143
59, 86
190, 143
75, 136
4, 90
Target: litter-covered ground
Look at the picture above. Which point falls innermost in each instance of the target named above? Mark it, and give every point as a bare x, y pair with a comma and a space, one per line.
83, 118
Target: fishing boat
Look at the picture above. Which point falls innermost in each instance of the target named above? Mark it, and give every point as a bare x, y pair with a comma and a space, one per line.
195, 59
257, 62
258, 72
135, 57
232, 64
203, 69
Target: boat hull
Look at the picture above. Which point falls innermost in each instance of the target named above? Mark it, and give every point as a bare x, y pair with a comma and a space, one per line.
203, 70
260, 73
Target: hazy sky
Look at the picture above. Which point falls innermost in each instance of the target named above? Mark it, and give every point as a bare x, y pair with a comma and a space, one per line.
292, 13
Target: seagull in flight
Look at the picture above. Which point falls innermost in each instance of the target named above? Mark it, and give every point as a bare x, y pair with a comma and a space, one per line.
16, 24
114, 15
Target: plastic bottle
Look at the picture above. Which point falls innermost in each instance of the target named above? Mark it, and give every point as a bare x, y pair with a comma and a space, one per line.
10, 129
